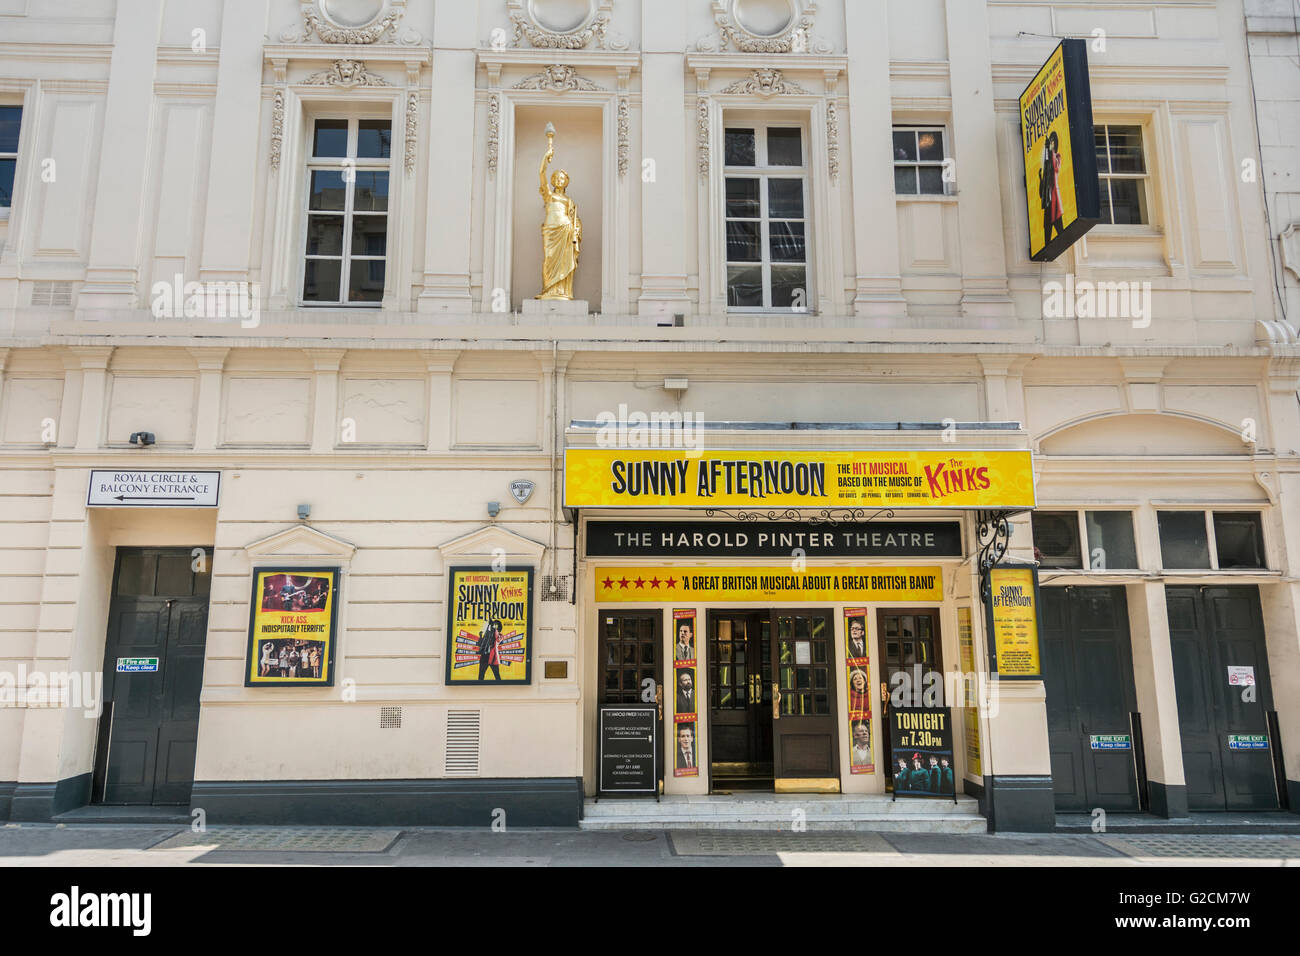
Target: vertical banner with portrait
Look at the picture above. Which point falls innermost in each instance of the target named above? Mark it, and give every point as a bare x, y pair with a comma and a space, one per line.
489, 626
291, 627
686, 753
858, 667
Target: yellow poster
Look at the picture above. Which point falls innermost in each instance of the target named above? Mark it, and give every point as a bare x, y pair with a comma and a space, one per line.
489, 626
1049, 154
971, 718
672, 582
291, 627
1015, 621
676, 478
966, 647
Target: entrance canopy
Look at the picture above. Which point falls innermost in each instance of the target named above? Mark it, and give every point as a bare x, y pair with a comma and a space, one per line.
680, 464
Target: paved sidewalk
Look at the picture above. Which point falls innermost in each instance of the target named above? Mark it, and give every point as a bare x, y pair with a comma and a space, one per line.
127, 845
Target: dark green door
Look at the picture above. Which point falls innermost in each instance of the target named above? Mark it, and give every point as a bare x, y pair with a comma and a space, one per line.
1217, 632
153, 673
1088, 673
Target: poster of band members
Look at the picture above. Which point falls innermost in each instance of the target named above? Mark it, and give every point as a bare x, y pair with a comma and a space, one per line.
920, 740
686, 694
291, 627
858, 665
489, 626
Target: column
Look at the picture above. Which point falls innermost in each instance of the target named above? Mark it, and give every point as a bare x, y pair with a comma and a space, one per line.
438, 419
113, 270
324, 433
451, 170
871, 119
232, 174
208, 416
1157, 701
663, 133
985, 294
94, 396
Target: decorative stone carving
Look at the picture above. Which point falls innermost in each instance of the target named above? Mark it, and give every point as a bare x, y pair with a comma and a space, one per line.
794, 37
832, 140
317, 22
494, 132
277, 128
1290, 240
624, 146
594, 27
702, 146
766, 82
557, 78
412, 128
347, 74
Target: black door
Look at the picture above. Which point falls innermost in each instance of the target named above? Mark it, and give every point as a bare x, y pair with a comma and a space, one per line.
805, 731
631, 663
740, 700
153, 673
1088, 673
1216, 633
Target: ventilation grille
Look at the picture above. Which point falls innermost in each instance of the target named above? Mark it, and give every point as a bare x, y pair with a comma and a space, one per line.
390, 717
52, 293
555, 587
462, 743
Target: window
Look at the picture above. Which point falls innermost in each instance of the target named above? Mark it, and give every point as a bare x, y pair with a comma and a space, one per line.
1122, 175
767, 218
1058, 536
918, 161
11, 118
1188, 539
347, 212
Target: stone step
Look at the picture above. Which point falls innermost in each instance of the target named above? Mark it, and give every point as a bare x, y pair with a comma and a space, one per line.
924, 824
776, 813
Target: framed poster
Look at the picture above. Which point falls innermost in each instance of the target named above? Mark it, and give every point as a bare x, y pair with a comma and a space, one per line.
292, 621
489, 626
857, 662
920, 739
1012, 611
686, 694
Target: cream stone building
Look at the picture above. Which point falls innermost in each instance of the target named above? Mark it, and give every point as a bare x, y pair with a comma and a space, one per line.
805, 235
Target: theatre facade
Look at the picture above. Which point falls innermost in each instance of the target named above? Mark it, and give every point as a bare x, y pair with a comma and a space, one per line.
311, 511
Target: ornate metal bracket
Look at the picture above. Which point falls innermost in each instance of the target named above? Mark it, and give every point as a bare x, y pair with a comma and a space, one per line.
828, 516
993, 534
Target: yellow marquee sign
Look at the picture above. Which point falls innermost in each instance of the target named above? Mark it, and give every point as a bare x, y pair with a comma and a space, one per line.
675, 478
670, 582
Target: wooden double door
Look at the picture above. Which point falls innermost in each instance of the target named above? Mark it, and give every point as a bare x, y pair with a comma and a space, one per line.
771, 686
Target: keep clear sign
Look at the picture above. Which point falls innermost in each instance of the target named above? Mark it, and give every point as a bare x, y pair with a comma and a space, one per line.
153, 489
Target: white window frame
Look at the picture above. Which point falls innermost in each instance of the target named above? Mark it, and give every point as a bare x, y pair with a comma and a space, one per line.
761, 122
1143, 178
914, 128
1212, 541
353, 118
1085, 546
5, 210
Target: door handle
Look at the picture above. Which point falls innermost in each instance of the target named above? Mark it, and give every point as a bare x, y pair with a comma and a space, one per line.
776, 701
659, 698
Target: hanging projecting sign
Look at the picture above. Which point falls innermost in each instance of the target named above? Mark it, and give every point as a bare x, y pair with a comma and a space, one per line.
153, 489
1062, 196
1013, 622
675, 478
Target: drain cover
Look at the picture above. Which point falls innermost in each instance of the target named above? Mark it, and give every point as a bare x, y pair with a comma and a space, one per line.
640, 836
1209, 846
300, 839
741, 843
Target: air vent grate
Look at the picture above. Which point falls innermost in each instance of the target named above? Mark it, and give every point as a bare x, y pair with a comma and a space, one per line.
390, 717
555, 587
52, 293
461, 758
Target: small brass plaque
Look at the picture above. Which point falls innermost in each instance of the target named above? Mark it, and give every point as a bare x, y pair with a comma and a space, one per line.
557, 669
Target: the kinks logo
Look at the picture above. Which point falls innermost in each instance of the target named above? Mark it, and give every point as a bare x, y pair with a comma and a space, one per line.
949, 477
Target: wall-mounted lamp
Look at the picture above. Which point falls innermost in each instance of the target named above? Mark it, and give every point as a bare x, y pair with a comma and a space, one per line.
304, 512
676, 384
142, 439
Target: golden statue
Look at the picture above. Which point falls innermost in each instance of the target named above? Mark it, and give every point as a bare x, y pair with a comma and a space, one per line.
561, 230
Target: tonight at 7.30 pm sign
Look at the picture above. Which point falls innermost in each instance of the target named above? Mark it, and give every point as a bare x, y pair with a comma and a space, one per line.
654, 478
